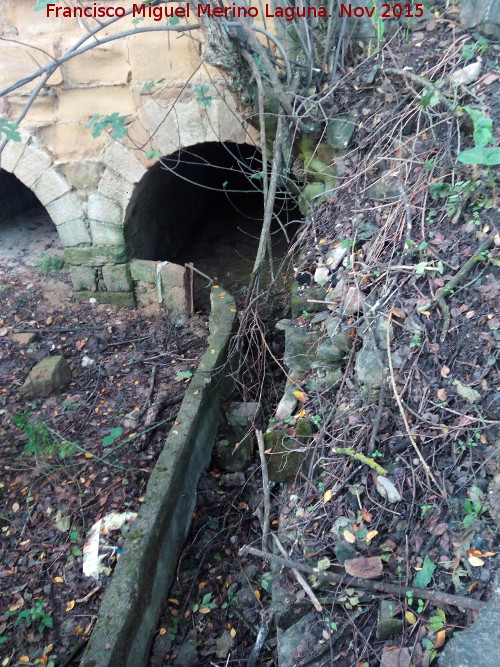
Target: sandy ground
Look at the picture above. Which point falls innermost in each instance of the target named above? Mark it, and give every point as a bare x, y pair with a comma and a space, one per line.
26, 239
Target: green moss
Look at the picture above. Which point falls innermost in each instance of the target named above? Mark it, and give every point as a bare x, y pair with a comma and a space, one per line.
126, 299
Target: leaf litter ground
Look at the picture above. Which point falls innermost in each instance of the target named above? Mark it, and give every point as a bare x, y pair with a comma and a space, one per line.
69, 460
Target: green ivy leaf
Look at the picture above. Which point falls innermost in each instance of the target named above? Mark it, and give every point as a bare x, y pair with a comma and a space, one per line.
114, 434
423, 578
480, 155
183, 375
483, 126
114, 122
430, 98
153, 155
11, 130
42, 4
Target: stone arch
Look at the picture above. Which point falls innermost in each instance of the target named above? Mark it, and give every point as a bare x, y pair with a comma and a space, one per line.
164, 127
34, 167
202, 184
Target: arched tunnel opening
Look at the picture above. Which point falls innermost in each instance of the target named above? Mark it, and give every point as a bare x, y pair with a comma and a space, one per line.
27, 234
203, 205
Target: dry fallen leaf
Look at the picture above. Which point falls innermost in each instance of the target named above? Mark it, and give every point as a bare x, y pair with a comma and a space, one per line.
441, 394
370, 535
475, 561
445, 371
301, 396
349, 537
328, 495
410, 617
440, 638
70, 605
364, 568
366, 515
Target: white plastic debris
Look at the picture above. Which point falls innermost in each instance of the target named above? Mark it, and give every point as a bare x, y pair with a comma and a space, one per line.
321, 275
467, 74
92, 301
387, 490
92, 559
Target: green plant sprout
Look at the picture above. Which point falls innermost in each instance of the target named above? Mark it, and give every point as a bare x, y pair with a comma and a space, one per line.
36, 616
483, 135
49, 264
112, 122
416, 340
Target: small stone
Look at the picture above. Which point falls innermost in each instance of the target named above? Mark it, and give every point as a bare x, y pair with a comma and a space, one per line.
393, 656
328, 353
340, 130
333, 258
286, 405
23, 338
49, 376
344, 551
370, 366
353, 302
132, 419
387, 625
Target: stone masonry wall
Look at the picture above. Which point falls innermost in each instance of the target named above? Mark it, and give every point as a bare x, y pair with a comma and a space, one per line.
86, 183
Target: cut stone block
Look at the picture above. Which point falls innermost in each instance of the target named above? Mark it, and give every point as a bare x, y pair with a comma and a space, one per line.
300, 345
83, 278
123, 161
66, 208
11, 155
73, 233
287, 454
49, 376
115, 187
143, 270
174, 291
235, 453
50, 186
95, 256
104, 210
117, 278
33, 163
125, 299
104, 234
340, 130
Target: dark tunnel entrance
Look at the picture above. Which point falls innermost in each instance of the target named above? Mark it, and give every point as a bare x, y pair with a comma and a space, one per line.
203, 205
27, 234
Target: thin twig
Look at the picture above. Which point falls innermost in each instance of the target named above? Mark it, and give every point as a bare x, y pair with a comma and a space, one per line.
265, 491
307, 589
261, 638
428, 471
150, 390
459, 601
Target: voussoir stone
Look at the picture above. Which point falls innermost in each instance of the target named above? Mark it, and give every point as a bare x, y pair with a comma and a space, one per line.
49, 376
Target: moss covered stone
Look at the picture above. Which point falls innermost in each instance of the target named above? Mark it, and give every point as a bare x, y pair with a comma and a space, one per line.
118, 298
287, 452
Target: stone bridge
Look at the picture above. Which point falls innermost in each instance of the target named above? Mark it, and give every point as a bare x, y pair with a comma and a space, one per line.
111, 200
